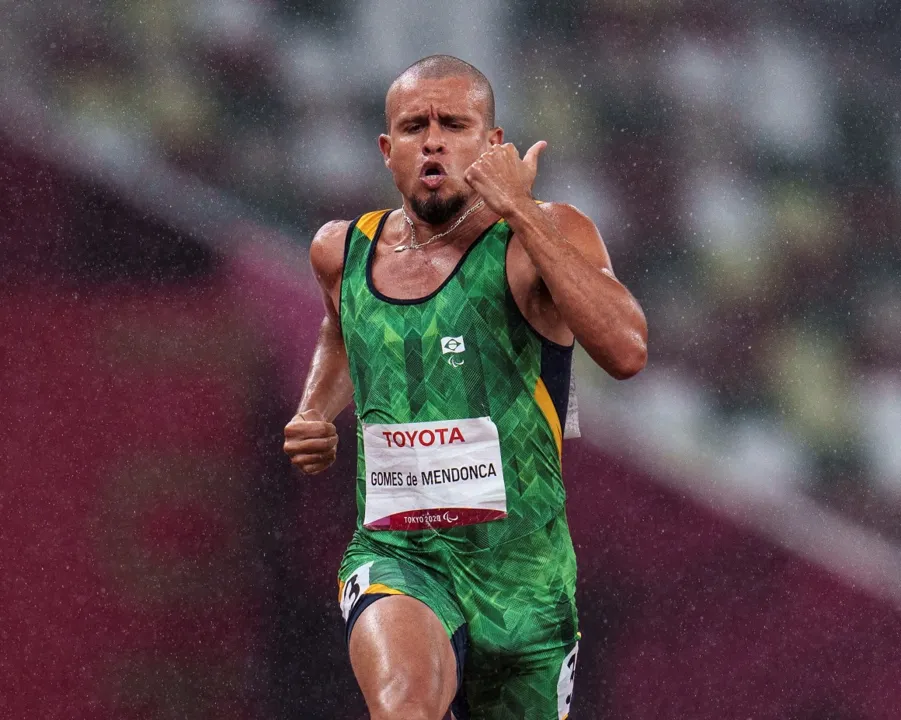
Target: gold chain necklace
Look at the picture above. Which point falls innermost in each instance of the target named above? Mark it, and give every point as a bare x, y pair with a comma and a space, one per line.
413, 245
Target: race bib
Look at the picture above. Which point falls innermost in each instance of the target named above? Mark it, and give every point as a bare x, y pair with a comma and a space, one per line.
433, 474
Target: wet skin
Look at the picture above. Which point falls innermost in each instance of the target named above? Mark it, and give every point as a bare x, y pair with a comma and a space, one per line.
441, 151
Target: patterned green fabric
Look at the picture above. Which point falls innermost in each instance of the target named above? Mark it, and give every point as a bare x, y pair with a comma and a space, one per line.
518, 601
529, 689
400, 375
422, 577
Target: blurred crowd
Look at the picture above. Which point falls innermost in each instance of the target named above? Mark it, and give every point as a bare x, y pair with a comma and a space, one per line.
742, 160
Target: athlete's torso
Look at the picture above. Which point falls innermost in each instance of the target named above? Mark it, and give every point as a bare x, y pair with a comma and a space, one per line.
461, 351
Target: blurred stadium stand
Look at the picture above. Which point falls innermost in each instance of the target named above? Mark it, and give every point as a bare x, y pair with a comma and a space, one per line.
735, 507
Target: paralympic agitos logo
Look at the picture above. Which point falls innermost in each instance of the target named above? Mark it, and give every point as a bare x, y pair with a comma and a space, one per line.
454, 345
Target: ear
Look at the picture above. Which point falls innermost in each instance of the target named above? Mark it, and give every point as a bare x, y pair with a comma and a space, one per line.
496, 136
385, 147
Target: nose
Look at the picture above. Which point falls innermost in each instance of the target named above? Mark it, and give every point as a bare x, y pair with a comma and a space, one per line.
434, 139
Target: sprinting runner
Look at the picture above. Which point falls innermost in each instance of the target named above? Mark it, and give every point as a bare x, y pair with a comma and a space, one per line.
450, 322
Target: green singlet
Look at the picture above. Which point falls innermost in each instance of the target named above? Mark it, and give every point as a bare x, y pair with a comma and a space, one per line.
459, 485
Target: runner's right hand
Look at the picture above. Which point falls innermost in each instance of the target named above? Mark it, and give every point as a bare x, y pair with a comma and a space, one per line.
311, 441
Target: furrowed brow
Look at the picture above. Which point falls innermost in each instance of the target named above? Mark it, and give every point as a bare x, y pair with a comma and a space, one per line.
450, 118
413, 118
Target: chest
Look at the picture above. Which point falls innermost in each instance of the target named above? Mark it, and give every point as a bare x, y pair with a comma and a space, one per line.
477, 276
413, 274
410, 303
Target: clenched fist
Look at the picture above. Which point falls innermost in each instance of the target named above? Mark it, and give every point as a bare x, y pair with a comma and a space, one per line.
311, 441
502, 178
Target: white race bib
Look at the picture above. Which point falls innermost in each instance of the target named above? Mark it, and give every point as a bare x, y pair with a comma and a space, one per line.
433, 474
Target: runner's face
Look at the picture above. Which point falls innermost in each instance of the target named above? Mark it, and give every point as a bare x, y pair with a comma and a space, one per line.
437, 129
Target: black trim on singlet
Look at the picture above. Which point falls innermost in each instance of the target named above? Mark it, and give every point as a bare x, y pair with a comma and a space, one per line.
556, 359
378, 230
415, 301
347, 238
556, 366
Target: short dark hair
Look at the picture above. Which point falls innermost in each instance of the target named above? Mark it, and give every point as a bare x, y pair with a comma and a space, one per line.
442, 66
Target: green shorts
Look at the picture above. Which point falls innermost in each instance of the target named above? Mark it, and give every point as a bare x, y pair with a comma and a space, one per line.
513, 605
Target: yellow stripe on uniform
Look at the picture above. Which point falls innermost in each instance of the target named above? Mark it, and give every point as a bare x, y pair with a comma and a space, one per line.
369, 222
381, 589
374, 588
543, 398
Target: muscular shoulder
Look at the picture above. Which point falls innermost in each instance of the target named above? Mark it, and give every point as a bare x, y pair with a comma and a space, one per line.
579, 229
327, 251
566, 216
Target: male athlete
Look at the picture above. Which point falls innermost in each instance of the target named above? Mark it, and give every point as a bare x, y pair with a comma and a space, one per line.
450, 322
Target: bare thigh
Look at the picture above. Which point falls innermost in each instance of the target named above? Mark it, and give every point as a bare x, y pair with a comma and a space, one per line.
403, 660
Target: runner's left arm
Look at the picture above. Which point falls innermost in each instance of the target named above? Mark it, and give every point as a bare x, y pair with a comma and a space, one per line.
570, 257
572, 261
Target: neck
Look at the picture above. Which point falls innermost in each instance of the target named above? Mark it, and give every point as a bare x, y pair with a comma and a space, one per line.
424, 232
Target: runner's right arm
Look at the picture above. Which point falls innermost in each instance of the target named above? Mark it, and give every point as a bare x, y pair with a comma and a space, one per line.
310, 437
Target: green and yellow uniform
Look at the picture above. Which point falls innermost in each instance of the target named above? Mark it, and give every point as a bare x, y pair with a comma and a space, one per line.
459, 485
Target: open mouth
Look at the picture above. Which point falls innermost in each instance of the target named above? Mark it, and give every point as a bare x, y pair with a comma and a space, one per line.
432, 174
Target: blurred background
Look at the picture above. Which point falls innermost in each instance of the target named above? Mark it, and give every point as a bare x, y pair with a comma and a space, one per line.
736, 507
